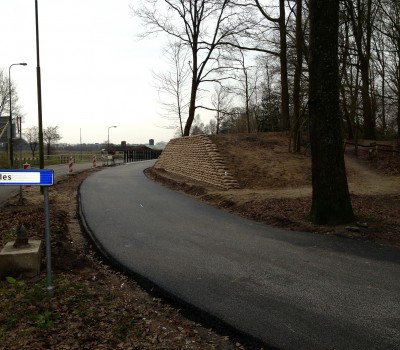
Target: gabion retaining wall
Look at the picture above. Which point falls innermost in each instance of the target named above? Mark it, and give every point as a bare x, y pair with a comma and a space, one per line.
196, 157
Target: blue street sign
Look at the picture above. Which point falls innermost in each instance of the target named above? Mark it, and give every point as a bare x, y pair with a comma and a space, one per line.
32, 177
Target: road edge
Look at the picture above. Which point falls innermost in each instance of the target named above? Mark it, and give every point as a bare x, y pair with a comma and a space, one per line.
187, 309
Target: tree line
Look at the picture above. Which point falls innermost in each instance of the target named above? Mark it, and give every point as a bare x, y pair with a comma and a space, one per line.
328, 67
5, 95
248, 61
51, 134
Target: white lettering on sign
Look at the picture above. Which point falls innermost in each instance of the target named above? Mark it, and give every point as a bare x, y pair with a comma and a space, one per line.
19, 177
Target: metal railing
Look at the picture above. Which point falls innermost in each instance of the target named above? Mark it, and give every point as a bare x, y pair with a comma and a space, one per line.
56, 159
120, 158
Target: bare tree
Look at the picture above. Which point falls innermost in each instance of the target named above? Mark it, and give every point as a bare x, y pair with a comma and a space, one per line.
32, 138
281, 21
296, 129
172, 85
221, 101
361, 15
268, 114
201, 25
5, 95
242, 82
50, 136
330, 199
349, 77
378, 77
390, 26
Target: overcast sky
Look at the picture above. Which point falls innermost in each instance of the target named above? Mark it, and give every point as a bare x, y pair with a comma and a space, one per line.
95, 73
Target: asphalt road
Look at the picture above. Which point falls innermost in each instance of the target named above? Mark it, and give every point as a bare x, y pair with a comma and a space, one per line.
292, 290
59, 170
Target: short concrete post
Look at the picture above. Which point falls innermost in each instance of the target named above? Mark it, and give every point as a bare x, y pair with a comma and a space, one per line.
22, 237
21, 256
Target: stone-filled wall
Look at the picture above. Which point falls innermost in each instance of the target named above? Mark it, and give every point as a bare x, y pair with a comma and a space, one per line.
196, 157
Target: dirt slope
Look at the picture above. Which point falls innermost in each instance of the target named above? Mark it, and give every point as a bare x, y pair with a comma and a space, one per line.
364, 179
275, 187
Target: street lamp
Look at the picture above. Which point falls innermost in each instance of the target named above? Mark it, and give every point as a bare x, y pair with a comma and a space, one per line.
39, 93
108, 138
10, 141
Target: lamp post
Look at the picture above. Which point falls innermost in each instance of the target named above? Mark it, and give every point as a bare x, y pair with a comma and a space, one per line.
108, 138
39, 90
10, 140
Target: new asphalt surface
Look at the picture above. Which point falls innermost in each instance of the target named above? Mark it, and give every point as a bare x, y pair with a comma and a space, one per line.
291, 290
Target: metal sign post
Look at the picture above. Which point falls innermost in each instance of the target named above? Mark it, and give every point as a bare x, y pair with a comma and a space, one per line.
50, 289
44, 178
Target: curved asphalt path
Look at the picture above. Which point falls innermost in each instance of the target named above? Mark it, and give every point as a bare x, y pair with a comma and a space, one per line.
291, 290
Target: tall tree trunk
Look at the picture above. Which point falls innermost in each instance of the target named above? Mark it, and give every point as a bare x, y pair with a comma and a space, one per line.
350, 133
192, 110
330, 199
398, 93
361, 20
193, 91
369, 120
398, 116
247, 103
281, 20
344, 78
353, 103
296, 134
285, 121
384, 124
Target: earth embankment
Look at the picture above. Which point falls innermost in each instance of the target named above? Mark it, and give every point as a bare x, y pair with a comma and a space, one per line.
273, 185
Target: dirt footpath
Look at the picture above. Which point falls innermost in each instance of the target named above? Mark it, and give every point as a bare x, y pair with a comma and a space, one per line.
368, 181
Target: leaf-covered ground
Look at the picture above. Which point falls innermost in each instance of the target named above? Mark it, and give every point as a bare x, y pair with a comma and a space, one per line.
94, 307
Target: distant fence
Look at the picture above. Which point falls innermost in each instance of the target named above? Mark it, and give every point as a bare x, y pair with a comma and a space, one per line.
57, 159
135, 156
126, 156
374, 147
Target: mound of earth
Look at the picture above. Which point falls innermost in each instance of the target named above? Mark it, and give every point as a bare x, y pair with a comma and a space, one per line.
275, 187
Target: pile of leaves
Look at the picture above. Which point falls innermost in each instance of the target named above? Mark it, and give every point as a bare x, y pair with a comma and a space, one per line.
94, 306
